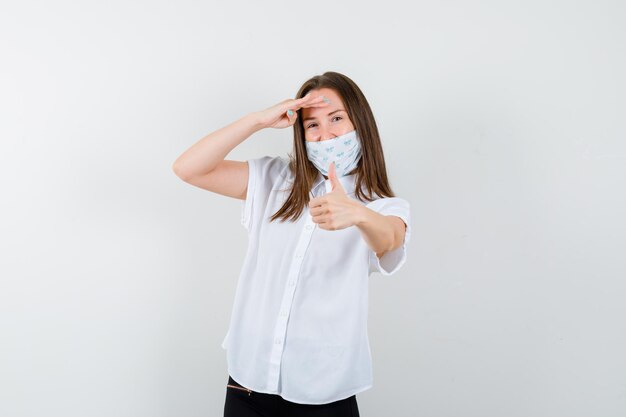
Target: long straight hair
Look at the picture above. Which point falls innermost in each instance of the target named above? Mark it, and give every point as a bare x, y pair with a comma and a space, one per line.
371, 172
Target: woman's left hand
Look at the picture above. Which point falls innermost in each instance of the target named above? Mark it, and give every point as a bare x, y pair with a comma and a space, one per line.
334, 210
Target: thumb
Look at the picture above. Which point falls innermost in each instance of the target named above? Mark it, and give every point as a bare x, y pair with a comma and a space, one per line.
334, 181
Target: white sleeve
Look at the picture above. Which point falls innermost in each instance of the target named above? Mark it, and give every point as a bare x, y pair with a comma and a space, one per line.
393, 260
262, 173
246, 206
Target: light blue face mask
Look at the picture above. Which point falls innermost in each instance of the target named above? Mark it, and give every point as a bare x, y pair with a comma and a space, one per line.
344, 150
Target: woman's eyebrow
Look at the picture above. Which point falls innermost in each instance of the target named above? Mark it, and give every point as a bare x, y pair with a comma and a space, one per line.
312, 118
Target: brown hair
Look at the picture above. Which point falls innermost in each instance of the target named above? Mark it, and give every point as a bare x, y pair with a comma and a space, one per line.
370, 171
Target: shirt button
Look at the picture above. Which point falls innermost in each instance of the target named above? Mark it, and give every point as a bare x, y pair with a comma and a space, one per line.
292, 283
299, 255
284, 313
277, 341
309, 227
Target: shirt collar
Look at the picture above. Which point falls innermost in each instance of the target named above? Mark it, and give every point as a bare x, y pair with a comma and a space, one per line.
347, 181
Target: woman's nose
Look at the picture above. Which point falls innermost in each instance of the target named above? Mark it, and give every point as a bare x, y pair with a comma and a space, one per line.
325, 135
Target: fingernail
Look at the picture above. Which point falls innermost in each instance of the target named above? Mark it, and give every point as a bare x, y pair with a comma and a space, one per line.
290, 112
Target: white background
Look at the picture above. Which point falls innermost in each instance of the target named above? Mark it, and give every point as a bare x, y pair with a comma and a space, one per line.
502, 124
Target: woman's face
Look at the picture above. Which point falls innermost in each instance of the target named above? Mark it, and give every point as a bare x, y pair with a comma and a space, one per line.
325, 122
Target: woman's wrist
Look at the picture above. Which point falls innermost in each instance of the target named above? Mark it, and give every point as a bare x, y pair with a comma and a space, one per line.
359, 214
255, 121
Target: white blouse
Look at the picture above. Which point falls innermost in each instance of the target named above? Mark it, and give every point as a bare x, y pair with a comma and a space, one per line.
298, 326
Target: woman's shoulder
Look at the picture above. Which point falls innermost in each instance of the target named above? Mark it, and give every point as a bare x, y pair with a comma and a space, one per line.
382, 203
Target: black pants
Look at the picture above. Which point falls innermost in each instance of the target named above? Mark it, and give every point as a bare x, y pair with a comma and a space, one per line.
242, 402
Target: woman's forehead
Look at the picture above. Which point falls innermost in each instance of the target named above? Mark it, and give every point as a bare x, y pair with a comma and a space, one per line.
327, 92
321, 112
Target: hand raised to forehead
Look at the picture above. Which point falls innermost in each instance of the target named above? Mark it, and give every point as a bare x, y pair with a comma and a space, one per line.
284, 114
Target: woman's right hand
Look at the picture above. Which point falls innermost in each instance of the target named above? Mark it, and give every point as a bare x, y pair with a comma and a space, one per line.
277, 116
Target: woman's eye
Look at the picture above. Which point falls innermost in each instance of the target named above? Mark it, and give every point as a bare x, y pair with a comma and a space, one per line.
313, 124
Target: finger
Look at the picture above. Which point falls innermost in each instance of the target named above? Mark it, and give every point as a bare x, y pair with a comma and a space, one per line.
295, 104
312, 96
319, 218
308, 97
292, 102
309, 100
316, 211
322, 104
318, 102
291, 116
322, 222
317, 201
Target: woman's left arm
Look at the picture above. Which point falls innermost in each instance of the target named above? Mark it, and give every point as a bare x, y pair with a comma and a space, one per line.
335, 211
381, 233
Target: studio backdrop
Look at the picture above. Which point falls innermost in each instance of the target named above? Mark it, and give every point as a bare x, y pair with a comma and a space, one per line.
502, 124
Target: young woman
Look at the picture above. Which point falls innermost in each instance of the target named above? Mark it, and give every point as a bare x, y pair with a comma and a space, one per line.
318, 223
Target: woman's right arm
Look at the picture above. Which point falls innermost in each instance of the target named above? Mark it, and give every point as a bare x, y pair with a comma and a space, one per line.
203, 164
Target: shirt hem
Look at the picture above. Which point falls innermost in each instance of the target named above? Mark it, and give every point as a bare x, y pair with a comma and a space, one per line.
340, 397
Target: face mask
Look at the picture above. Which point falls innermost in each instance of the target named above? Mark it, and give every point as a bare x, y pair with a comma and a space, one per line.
344, 150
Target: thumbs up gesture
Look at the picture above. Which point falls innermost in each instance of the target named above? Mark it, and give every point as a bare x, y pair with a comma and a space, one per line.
334, 181
334, 210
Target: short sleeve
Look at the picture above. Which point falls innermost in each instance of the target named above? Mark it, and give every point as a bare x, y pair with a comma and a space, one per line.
393, 260
263, 173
